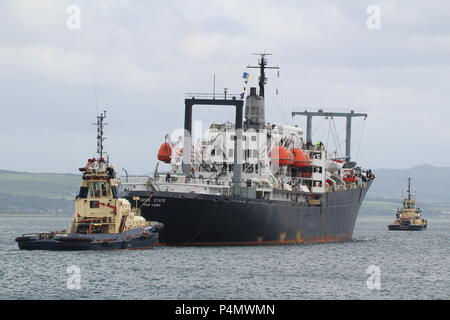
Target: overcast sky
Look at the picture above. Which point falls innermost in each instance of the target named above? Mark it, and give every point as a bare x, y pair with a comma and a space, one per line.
141, 57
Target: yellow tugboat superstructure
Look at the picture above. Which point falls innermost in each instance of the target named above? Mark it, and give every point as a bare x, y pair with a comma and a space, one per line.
98, 207
409, 217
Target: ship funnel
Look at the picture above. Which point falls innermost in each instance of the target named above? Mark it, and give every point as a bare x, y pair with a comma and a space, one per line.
254, 111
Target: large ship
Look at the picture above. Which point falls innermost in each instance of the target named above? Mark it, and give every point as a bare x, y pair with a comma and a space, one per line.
251, 182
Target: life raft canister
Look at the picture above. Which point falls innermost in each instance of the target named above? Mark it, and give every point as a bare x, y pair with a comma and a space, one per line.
301, 159
165, 153
282, 156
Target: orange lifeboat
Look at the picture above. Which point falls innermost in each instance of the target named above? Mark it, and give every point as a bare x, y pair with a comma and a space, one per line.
165, 153
281, 155
301, 159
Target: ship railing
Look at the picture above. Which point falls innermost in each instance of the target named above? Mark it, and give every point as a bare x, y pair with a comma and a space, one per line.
103, 220
163, 179
213, 96
327, 109
134, 180
190, 180
207, 182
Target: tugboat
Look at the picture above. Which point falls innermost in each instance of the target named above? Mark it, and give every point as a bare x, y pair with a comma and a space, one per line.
101, 220
409, 217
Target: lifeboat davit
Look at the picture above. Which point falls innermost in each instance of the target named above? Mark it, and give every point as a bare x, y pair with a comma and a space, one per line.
165, 153
282, 156
181, 150
301, 159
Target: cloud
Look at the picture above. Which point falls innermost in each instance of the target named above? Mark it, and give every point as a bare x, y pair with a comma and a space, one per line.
140, 57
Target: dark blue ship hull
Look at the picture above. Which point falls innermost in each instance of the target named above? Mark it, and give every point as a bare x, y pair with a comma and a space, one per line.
198, 219
73, 246
131, 239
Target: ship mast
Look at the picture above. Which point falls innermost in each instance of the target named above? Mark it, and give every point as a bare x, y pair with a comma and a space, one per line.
262, 75
409, 188
100, 125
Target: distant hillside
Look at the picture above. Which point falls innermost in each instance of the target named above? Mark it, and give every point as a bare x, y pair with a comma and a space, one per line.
22, 192
430, 183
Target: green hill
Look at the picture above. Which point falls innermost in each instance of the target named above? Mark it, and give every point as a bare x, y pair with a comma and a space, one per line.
47, 185
23, 192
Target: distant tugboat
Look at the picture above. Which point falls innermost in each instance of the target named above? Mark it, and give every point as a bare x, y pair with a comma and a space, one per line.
101, 220
409, 217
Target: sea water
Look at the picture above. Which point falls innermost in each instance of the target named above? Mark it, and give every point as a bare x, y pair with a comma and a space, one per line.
377, 264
